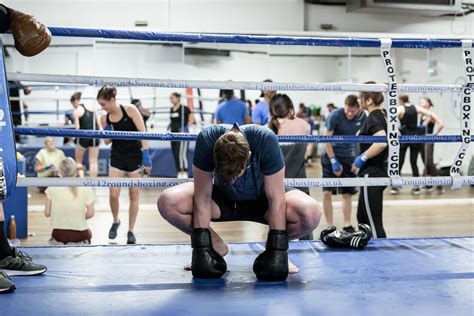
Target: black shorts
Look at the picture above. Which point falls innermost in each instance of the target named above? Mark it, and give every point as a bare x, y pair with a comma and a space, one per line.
88, 142
346, 163
244, 210
127, 163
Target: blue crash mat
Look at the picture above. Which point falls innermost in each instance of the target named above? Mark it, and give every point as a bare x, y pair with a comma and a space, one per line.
390, 277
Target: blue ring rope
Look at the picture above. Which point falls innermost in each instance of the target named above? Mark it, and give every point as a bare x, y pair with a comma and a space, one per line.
192, 137
250, 39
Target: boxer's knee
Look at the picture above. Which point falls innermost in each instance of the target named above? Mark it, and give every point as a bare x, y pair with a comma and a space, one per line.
170, 203
310, 214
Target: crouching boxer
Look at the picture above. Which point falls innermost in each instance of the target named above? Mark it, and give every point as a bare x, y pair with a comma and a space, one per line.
239, 176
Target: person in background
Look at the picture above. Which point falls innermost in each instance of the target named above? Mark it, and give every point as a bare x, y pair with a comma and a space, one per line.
180, 117
127, 157
283, 122
338, 159
68, 120
86, 118
231, 110
69, 209
250, 107
14, 88
429, 121
143, 111
47, 160
261, 112
331, 107
372, 162
305, 114
410, 121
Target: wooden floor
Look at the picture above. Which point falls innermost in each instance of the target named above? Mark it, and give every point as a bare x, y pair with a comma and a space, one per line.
405, 215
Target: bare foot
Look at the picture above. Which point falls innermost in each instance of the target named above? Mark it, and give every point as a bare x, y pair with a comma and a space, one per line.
217, 243
292, 268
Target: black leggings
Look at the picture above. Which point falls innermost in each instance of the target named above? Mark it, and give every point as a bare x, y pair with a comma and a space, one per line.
375, 201
427, 156
415, 149
180, 154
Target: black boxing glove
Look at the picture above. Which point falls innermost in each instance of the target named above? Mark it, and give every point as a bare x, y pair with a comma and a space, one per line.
341, 239
206, 262
272, 264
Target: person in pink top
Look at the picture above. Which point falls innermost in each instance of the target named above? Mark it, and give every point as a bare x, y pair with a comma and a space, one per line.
284, 122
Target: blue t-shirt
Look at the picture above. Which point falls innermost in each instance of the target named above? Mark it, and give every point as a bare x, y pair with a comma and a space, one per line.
266, 159
341, 125
261, 113
231, 111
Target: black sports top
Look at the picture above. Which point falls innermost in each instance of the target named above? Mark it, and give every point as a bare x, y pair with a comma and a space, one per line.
121, 146
86, 121
409, 122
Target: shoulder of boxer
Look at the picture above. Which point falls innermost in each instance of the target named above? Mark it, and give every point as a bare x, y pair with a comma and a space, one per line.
31, 37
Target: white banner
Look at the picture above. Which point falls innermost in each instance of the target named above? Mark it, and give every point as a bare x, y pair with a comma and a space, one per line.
466, 106
392, 116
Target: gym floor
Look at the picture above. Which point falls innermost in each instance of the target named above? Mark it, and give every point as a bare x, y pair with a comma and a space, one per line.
427, 215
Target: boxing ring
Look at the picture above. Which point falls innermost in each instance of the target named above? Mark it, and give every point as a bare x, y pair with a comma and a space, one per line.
390, 276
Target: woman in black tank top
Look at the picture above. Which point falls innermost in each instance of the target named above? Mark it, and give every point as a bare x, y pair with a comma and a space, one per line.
85, 119
127, 157
429, 122
411, 124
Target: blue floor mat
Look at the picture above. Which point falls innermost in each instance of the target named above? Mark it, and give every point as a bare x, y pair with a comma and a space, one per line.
390, 277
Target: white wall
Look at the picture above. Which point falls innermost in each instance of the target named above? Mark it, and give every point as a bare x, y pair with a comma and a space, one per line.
388, 22
290, 16
173, 15
235, 16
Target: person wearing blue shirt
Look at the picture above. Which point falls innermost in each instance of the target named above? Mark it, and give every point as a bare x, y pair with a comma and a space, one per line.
238, 176
231, 110
261, 112
338, 159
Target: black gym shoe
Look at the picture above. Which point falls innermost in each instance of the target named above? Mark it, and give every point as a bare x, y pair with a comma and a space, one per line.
428, 188
416, 191
22, 255
21, 264
131, 238
113, 230
6, 284
349, 229
440, 189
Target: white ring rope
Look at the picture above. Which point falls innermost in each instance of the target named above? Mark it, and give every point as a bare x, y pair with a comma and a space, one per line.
296, 182
233, 85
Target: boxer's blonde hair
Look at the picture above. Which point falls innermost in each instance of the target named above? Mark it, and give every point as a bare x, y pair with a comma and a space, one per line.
68, 169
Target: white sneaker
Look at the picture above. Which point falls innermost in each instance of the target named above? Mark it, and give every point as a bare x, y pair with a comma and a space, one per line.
395, 191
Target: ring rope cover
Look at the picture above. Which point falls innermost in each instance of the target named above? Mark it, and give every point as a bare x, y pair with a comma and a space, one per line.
8, 167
